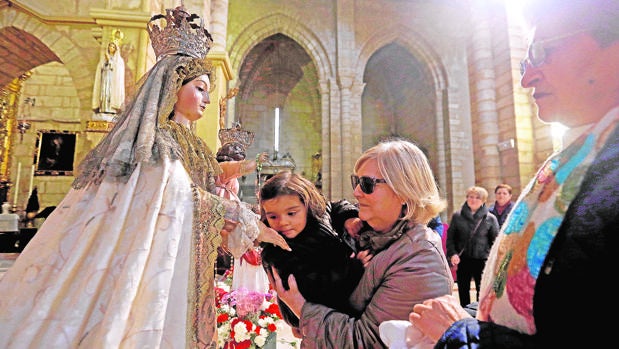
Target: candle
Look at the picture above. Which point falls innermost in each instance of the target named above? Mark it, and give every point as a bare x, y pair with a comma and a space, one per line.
16, 186
31, 181
276, 143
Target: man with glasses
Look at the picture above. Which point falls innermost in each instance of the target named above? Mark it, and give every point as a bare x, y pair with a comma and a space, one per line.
545, 284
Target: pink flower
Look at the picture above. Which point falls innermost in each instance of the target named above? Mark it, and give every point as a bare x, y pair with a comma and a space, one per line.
244, 318
247, 301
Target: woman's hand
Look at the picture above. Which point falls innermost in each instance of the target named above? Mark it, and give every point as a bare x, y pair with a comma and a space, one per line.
353, 226
434, 316
271, 236
455, 260
292, 297
364, 256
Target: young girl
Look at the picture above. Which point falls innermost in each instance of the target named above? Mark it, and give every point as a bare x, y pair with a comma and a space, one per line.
322, 257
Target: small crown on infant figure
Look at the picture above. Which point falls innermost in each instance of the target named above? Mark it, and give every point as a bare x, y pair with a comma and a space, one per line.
236, 134
179, 32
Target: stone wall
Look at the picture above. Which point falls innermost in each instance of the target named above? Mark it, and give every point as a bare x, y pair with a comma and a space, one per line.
465, 105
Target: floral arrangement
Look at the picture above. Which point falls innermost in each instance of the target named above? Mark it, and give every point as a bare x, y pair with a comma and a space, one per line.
245, 319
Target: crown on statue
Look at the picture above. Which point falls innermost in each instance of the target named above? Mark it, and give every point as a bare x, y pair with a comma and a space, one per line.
117, 37
236, 134
179, 32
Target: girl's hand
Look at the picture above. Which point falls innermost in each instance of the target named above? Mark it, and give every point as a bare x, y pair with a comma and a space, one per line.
353, 226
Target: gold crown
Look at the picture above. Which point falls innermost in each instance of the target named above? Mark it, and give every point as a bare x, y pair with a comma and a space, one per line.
180, 34
117, 37
236, 134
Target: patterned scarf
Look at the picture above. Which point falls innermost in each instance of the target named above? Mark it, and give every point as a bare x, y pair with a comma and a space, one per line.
511, 272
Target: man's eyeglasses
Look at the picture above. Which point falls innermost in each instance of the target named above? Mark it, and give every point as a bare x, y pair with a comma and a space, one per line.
537, 52
367, 184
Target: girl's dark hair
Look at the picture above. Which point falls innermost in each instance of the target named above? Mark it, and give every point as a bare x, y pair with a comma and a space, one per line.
288, 183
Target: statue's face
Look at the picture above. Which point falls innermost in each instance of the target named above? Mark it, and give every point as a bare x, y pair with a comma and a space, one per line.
235, 151
111, 48
193, 97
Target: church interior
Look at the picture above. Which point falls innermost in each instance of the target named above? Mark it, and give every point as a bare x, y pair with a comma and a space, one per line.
317, 82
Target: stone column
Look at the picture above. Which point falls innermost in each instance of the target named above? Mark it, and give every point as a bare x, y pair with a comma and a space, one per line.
219, 24
217, 10
340, 124
485, 119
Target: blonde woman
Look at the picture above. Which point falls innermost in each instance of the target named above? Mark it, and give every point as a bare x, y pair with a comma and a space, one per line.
397, 196
471, 233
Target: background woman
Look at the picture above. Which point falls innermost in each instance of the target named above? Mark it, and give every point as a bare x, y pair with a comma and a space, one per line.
503, 204
397, 196
471, 233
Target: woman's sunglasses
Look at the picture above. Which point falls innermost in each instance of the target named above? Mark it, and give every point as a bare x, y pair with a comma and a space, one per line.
367, 184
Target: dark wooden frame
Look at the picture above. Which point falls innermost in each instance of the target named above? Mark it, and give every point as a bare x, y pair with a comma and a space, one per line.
51, 158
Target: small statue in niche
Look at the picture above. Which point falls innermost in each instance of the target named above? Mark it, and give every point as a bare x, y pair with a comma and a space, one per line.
317, 169
108, 94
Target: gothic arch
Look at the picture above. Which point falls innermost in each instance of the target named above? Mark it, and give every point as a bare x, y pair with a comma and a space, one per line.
433, 66
280, 23
409, 39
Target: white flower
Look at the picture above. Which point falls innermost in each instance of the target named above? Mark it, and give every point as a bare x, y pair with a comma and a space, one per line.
223, 332
228, 310
261, 337
266, 321
260, 341
265, 304
221, 340
240, 332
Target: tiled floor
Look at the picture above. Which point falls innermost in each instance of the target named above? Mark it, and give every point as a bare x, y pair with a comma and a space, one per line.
473, 292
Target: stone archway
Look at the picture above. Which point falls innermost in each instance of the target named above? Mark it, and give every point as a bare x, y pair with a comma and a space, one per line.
15, 42
49, 44
431, 67
278, 100
292, 79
